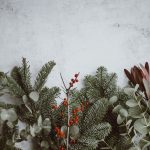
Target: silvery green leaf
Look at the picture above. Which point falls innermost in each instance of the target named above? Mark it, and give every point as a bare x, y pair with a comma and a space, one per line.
129, 91
140, 126
4, 114
25, 99
120, 119
9, 114
135, 112
74, 131
64, 129
123, 112
35, 129
137, 138
113, 99
131, 103
32, 131
128, 122
44, 144
47, 124
34, 96
117, 108
40, 121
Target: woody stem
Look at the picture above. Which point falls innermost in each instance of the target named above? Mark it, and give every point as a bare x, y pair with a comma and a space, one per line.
68, 119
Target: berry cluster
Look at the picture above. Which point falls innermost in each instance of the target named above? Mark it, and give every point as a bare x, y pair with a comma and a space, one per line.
59, 133
65, 102
61, 148
74, 80
75, 118
54, 107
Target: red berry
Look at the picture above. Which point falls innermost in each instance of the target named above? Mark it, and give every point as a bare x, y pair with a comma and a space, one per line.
71, 84
77, 80
76, 75
65, 99
54, 107
56, 129
77, 109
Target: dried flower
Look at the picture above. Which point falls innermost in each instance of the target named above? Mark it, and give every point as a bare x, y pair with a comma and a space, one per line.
140, 75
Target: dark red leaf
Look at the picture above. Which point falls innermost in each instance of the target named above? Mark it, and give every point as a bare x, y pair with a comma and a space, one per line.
147, 66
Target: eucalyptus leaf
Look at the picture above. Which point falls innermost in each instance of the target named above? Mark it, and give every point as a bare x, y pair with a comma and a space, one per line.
34, 96
120, 119
113, 99
8, 114
140, 126
123, 112
135, 112
117, 108
131, 103
25, 99
74, 132
129, 91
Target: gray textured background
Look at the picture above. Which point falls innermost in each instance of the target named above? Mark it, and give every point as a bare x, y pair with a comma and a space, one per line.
79, 35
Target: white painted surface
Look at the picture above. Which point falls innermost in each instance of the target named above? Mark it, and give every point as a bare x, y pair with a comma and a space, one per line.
80, 35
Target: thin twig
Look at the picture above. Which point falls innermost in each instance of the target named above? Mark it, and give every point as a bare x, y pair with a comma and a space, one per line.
63, 81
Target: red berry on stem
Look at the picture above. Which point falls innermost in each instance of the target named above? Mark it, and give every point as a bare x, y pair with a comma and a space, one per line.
76, 75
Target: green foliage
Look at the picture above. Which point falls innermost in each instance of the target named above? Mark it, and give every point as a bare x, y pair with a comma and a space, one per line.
95, 114
42, 75
25, 75
14, 88
100, 85
47, 100
8, 136
109, 117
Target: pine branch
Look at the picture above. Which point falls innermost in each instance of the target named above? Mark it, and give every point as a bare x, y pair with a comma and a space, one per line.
15, 74
25, 76
95, 114
14, 88
99, 131
88, 142
47, 101
100, 85
42, 75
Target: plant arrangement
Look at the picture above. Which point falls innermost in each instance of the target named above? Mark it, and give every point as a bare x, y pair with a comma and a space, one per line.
99, 116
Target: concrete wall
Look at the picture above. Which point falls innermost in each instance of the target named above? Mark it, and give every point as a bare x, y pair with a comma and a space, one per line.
79, 35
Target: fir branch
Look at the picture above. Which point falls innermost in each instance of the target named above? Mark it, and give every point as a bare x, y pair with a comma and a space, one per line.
100, 85
88, 142
99, 131
47, 101
14, 88
95, 114
25, 76
42, 75
15, 74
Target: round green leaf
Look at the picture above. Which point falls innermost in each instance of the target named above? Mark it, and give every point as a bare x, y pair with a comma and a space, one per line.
131, 103
140, 126
120, 119
113, 99
123, 112
34, 96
